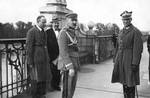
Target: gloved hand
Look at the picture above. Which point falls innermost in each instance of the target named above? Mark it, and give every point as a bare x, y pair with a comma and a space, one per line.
134, 67
71, 72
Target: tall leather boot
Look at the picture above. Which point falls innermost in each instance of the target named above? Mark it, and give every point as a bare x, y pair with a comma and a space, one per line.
131, 92
125, 91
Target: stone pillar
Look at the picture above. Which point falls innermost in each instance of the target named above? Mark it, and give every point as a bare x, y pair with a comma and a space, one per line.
57, 8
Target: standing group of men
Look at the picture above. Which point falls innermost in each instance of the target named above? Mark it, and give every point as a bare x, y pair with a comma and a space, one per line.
51, 52
48, 55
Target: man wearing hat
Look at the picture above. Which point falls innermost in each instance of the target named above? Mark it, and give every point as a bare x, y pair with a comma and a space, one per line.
68, 59
55, 23
53, 51
127, 60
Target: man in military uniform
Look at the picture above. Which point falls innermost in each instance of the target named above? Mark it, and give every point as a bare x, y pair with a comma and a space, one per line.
127, 60
148, 46
68, 59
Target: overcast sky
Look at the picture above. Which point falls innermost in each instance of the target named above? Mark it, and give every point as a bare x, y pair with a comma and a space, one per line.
104, 11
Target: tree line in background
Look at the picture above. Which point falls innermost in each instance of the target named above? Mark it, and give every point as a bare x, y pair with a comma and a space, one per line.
20, 28
17, 30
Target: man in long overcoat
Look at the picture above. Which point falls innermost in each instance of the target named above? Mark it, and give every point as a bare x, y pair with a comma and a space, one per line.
37, 57
127, 60
53, 50
68, 59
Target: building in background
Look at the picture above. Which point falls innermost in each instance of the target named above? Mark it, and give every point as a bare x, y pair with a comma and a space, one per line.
57, 8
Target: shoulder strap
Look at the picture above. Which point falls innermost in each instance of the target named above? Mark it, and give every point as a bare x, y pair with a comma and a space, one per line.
71, 39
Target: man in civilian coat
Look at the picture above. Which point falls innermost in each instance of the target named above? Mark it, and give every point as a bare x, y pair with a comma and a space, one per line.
53, 51
55, 22
37, 58
127, 60
68, 59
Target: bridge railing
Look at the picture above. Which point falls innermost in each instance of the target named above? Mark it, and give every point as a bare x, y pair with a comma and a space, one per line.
95, 48
13, 69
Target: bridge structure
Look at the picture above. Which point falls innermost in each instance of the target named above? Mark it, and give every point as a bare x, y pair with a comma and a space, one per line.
55, 8
93, 78
94, 81
14, 72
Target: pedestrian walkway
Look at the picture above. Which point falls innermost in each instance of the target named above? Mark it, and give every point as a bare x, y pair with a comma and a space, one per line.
94, 81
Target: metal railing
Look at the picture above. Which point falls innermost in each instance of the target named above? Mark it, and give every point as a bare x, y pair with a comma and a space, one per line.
13, 69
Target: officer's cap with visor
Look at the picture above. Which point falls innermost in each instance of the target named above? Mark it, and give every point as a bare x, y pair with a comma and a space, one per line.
72, 16
126, 15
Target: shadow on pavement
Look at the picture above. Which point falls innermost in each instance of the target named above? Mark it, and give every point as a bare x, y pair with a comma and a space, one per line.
86, 70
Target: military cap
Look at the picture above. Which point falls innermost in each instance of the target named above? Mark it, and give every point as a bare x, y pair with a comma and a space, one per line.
71, 15
126, 15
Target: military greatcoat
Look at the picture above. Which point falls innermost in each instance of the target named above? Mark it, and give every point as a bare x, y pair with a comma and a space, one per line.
37, 54
129, 52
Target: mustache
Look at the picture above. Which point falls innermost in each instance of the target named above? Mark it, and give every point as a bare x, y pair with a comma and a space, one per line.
74, 24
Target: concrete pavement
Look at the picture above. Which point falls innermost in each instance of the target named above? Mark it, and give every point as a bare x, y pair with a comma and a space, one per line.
94, 81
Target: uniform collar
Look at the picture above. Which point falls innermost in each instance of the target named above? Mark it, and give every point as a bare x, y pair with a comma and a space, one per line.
128, 27
70, 29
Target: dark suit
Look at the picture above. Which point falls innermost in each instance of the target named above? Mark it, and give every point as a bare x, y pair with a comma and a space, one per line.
53, 51
38, 60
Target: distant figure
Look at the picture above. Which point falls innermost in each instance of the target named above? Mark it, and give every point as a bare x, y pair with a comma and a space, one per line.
37, 58
90, 27
91, 34
68, 61
53, 50
128, 57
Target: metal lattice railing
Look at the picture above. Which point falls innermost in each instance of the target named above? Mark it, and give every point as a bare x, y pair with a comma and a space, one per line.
13, 69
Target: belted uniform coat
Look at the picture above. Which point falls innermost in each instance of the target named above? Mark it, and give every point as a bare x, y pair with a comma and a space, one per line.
67, 53
37, 54
129, 52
